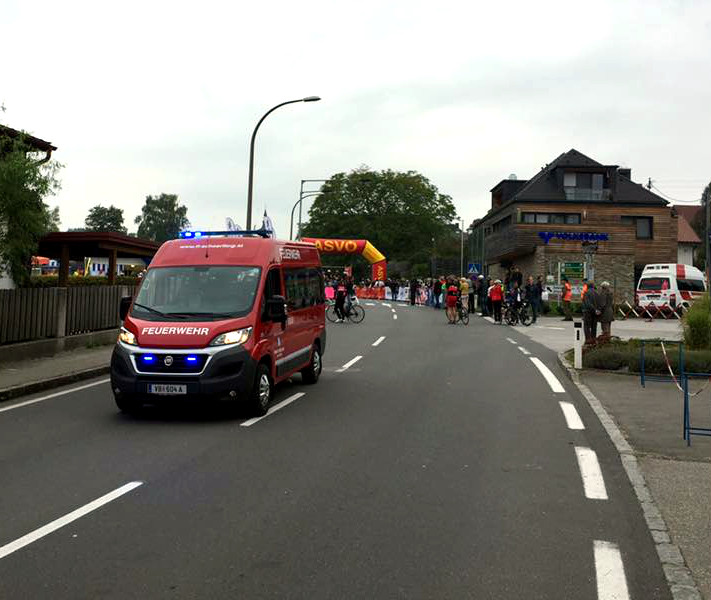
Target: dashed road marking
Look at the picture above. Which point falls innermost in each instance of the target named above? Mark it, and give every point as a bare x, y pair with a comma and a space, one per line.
370, 303
273, 409
386, 304
37, 534
392, 309
610, 572
572, 418
591, 473
526, 352
548, 376
490, 319
43, 398
349, 364
511, 341
394, 316
379, 341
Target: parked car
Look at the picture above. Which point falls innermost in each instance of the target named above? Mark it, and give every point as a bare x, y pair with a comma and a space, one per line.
669, 285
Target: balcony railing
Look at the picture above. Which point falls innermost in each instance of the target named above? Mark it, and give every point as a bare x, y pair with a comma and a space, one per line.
583, 195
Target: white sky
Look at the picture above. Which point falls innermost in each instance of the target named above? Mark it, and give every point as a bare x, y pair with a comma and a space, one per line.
147, 97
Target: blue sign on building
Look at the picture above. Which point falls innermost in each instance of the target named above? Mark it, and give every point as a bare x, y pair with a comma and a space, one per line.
547, 236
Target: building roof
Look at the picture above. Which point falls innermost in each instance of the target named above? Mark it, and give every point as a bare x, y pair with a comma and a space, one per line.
31, 140
95, 243
686, 234
689, 212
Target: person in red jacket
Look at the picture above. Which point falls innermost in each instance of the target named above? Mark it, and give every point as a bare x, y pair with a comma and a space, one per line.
451, 300
496, 293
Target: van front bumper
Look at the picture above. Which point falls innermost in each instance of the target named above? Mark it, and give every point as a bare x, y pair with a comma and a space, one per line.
228, 373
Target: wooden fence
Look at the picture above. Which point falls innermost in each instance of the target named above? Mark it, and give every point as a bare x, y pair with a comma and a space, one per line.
38, 313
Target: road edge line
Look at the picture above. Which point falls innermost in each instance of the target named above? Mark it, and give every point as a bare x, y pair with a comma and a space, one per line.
676, 572
54, 382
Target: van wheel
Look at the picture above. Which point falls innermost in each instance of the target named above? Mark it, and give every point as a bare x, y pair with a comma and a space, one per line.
128, 404
311, 373
262, 392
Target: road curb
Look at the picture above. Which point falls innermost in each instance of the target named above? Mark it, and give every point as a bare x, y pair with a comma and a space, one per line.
677, 573
47, 384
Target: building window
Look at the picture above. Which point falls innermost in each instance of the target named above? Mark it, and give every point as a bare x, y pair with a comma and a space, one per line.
643, 226
553, 218
501, 224
569, 180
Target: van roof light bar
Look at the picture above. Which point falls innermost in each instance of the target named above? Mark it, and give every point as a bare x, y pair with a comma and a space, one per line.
190, 235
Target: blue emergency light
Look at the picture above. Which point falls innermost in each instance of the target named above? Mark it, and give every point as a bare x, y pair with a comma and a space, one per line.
183, 235
148, 358
191, 359
190, 234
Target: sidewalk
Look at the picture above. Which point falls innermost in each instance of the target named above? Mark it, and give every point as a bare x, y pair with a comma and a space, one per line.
557, 334
30, 376
678, 476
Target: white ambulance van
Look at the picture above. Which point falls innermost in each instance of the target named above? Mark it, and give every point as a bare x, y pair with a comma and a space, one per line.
669, 285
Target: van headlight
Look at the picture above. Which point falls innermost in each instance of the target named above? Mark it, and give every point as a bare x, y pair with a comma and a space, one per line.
238, 336
127, 337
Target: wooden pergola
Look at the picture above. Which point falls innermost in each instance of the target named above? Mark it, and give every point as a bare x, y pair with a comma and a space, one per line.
76, 245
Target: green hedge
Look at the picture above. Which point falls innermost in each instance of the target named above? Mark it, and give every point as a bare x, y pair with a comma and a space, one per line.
626, 355
42, 281
697, 325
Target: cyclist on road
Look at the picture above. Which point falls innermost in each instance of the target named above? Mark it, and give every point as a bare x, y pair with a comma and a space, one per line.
340, 301
464, 292
451, 301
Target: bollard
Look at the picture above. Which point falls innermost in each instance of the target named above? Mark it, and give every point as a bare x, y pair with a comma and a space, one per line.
578, 345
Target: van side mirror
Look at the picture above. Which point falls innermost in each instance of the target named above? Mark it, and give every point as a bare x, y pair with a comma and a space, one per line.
124, 307
276, 309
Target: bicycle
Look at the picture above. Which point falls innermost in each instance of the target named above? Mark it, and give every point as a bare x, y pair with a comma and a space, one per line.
462, 314
523, 314
352, 312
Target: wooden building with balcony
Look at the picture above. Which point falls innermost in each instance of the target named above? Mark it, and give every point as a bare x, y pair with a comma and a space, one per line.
578, 217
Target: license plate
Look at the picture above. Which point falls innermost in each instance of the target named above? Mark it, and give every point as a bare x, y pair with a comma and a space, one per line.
167, 389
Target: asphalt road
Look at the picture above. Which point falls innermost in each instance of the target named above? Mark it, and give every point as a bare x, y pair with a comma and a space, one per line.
439, 465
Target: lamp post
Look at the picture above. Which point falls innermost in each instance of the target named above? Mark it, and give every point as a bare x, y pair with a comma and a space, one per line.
250, 184
302, 197
461, 256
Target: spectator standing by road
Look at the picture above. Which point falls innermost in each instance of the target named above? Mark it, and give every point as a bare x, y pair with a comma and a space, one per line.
472, 293
414, 288
606, 308
567, 297
533, 297
483, 295
496, 295
437, 289
451, 299
591, 312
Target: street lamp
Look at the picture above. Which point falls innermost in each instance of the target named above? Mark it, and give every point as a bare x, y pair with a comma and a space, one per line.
251, 152
298, 203
301, 197
461, 257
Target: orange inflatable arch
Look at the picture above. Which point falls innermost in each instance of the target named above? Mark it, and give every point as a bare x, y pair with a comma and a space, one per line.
362, 247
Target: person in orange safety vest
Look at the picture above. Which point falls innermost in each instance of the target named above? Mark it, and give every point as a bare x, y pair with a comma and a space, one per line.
567, 297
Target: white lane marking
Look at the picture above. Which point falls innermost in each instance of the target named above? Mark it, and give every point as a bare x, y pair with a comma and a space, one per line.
591, 473
548, 375
490, 319
511, 341
35, 535
394, 316
386, 304
273, 409
392, 310
526, 352
549, 327
349, 364
572, 418
610, 572
43, 398
370, 303
379, 341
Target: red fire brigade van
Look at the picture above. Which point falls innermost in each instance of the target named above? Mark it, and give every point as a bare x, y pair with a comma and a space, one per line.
221, 317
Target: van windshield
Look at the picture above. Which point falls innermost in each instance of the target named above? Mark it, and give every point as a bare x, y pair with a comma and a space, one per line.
196, 293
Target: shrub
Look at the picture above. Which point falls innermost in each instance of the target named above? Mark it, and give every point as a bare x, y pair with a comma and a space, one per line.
697, 325
610, 357
695, 361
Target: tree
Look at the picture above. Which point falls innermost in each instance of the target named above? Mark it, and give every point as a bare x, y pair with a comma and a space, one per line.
699, 226
400, 213
101, 218
25, 182
162, 218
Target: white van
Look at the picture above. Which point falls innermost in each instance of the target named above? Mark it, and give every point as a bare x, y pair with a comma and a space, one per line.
669, 285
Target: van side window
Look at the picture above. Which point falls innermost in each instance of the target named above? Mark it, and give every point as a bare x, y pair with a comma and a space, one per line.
690, 285
272, 287
304, 287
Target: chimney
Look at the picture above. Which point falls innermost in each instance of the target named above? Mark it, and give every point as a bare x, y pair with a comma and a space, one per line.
625, 173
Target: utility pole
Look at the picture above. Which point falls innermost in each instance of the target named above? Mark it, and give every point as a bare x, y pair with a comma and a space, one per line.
461, 256
707, 242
